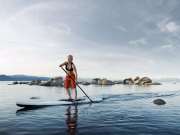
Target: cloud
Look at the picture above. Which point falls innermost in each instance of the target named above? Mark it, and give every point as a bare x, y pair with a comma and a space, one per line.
120, 36
138, 42
121, 28
168, 46
168, 26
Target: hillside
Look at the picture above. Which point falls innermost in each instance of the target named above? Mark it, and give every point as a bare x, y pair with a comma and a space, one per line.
21, 78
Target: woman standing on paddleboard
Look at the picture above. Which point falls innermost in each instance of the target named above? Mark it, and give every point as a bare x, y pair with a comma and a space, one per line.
71, 77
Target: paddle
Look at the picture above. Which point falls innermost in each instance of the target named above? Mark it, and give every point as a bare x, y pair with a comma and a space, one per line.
78, 85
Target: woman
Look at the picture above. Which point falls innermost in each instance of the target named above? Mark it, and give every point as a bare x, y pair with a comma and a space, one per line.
71, 77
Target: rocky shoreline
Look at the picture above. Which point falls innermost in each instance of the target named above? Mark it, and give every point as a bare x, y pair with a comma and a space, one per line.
58, 82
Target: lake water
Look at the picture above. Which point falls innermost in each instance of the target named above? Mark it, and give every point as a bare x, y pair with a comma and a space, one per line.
127, 110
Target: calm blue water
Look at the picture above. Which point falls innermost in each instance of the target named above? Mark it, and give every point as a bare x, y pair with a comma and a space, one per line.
127, 110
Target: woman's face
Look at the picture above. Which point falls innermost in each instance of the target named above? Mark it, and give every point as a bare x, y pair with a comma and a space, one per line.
70, 58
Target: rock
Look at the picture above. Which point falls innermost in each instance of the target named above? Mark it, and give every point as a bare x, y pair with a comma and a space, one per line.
84, 83
128, 81
47, 83
159, 102
35, 98
144, 81
14, 83
99, 81
106, 82
156, 83
57, 81
35, 82
118, 82
23, 82
95, 81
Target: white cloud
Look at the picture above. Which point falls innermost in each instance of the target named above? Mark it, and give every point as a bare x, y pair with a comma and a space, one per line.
121, 28
168, 46
40, 34
172, 27
138, 42
168, 26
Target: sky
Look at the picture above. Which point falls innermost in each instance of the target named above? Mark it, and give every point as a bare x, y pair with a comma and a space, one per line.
109, 39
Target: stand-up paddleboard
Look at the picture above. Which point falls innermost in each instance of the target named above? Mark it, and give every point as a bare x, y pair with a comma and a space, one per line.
68, 100
63, 102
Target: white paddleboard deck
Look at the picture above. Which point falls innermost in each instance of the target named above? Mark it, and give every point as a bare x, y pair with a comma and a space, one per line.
63, 102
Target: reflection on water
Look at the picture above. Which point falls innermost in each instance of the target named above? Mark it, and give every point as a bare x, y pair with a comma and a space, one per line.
71, 120
126, 110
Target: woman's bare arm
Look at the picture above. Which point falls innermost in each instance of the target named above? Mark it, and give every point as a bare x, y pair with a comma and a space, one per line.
63, 64
75, 70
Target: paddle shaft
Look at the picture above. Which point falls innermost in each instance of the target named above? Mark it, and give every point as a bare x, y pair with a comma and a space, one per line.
78, 85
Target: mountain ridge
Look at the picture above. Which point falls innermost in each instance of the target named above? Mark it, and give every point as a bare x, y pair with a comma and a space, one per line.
21, 77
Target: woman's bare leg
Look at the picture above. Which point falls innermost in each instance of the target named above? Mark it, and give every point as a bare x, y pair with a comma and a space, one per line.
75, 93
69, 93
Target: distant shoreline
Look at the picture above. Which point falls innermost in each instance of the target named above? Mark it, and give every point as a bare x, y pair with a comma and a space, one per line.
22, 78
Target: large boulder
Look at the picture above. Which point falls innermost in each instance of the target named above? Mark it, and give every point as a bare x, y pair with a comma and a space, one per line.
57, 81
118, 82
159, 102
128, 81
155, 83
95, 81
35, 82
84, 83
99, 82
140, 81
14, 83
106, 82
46, 83
35, 98
23, 82
144, 81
